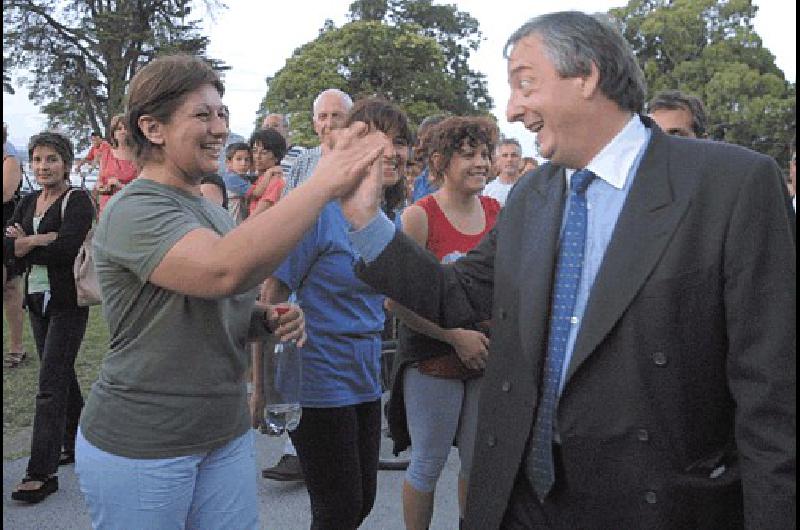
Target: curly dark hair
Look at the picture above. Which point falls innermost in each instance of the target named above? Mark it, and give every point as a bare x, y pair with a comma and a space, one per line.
447, 137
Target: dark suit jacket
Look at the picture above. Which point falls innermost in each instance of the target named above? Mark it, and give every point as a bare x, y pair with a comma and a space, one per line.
684, 362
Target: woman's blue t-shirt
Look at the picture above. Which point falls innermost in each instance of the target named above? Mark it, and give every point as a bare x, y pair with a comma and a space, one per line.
344, 316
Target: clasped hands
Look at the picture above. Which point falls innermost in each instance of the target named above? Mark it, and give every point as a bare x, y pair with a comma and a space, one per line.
352, 169
471, 346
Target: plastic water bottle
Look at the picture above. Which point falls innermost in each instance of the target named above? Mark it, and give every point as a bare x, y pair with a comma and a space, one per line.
283, 375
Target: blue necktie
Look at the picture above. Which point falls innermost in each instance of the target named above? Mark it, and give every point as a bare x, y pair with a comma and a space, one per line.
540, 468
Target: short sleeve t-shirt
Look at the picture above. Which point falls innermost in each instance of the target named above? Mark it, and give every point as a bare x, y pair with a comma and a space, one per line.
273, 191
253, 201
498, 190
344, 316
423, 186
99, 151
172, 383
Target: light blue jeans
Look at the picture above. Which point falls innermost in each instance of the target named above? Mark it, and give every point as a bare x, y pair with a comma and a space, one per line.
212, 490
439, 411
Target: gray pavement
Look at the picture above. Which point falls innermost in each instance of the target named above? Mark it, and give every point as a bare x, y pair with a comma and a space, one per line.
283, 506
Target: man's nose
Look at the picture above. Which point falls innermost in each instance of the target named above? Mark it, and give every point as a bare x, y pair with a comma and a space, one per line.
514, 111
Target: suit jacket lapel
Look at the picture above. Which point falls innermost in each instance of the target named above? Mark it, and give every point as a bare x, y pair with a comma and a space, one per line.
649, 217
539, 242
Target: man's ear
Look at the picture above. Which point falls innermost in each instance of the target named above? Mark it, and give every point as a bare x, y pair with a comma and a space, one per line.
590, 82
152, 129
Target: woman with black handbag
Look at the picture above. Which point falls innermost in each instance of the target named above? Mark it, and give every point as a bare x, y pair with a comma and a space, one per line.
43, 238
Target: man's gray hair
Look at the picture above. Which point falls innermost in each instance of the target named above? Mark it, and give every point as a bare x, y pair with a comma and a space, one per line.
574, 40
346, 99
509, 141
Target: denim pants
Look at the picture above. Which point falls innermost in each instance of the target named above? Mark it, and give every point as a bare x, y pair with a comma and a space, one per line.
58, 336
206, 491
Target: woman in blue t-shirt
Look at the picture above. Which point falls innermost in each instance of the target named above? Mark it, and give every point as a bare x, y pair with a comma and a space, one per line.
338, 438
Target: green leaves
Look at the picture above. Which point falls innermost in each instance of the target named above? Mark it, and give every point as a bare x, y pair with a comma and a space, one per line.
709, 48
82, 53
409, 51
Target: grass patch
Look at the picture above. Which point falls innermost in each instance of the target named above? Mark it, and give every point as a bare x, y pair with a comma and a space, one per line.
20, 384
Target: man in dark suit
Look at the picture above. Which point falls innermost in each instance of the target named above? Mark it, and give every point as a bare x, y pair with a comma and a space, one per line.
642, 292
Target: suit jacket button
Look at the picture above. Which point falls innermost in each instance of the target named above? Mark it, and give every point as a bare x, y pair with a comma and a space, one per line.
660, 358
643, 435
650, 497
506, 386
491, 441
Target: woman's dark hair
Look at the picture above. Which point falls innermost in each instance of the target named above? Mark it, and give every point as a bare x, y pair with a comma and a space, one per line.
394, 198
382, 115
388, 118
159, 88
59, 143
271, 140
448, 136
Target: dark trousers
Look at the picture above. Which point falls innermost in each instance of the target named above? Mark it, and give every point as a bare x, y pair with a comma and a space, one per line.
338, 450
58, 336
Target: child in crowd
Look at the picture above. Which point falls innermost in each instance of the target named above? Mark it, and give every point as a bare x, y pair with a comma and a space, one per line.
268, 147
238, 163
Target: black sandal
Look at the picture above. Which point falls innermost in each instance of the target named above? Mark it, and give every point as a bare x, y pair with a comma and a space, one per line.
49, 485
67, 457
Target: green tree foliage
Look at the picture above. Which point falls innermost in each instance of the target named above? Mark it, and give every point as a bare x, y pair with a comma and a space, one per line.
7, 86
709, 48
457, 32
81, 54
409, 52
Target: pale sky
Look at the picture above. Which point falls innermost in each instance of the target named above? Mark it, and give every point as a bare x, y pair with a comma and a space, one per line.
255, 38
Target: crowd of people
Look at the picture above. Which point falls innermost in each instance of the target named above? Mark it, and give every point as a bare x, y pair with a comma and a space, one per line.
607, 338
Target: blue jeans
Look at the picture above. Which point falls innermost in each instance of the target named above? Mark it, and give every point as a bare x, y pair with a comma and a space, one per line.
206, 491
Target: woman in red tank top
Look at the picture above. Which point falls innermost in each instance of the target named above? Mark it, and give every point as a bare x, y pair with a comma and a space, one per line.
117, 166
440, 407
